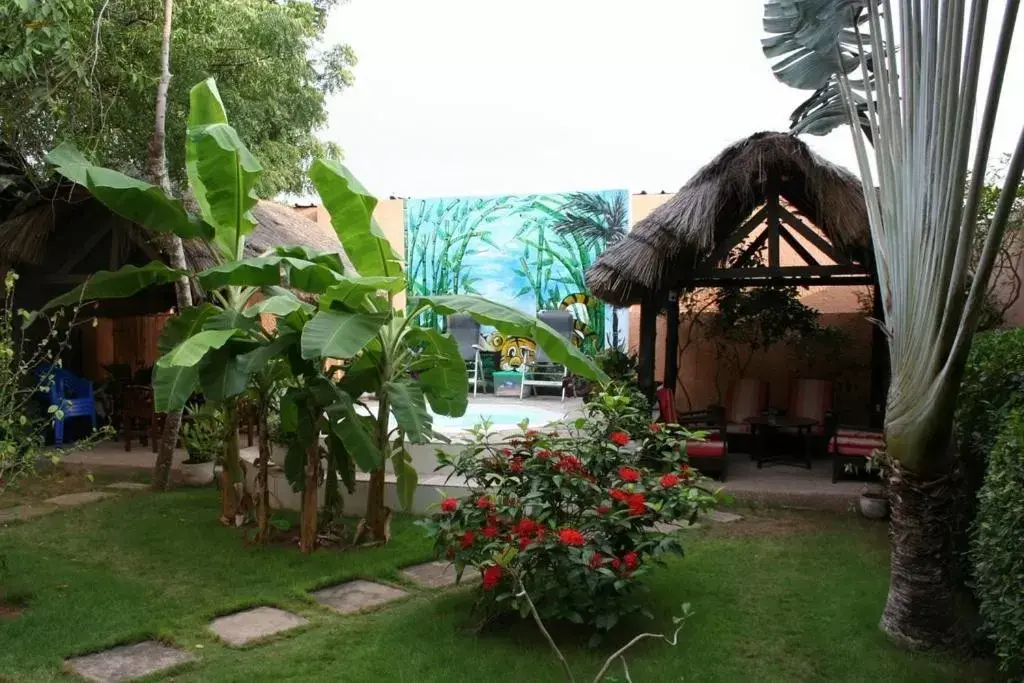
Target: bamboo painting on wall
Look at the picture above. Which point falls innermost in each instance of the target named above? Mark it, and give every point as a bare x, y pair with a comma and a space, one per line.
526, 251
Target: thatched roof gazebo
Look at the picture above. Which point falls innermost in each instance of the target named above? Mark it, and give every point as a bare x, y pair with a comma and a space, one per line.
726, 226
64, 235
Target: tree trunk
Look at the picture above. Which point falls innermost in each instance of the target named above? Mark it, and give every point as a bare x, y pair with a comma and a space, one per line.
376, 512
172, 247
231, 478
263, 476
309, 522
920, 611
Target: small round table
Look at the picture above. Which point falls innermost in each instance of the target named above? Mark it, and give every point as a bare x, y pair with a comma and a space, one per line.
763, 426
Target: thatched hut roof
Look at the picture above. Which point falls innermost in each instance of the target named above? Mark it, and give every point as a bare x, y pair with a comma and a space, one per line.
660, 249
70, 213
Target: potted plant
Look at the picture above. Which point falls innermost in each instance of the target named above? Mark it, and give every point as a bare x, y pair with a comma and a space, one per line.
203, 438
874, 501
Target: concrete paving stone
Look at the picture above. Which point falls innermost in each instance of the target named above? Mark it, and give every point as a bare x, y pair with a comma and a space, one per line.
128, 486
128, 662
75, 499
253, 624
724, 517
353, 596
23, 512
434, 574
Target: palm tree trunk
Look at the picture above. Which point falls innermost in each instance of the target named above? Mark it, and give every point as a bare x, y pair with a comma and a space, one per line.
920, 611
172, 247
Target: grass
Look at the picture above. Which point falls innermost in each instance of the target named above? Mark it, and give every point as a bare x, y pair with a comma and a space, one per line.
778, 597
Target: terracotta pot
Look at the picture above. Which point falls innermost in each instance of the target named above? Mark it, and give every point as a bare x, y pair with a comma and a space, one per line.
197, 474
874, 505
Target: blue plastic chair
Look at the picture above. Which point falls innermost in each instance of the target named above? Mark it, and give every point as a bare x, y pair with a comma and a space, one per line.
73, 395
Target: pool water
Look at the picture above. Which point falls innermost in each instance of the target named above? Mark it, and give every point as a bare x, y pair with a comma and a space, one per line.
502, 417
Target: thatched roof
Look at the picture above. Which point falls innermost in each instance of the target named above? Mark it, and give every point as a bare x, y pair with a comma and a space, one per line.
659, 251
65, 215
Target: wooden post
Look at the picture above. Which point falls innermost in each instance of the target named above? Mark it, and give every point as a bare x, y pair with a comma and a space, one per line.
648, 338
879, 363
672, 341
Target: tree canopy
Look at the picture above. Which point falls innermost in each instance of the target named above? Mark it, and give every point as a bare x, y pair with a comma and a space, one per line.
85, 71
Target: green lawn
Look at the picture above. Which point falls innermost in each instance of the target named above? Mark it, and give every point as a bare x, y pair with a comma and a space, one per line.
778, 597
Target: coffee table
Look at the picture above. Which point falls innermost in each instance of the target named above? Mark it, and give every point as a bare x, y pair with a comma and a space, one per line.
762, 427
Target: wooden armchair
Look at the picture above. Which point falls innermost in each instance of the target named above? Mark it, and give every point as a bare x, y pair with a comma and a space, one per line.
138, 417
711, 455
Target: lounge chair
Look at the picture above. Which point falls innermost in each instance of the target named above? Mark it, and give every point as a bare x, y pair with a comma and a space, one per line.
466, 333
813, 399
544, 372
851, 446
711, 455
746, 398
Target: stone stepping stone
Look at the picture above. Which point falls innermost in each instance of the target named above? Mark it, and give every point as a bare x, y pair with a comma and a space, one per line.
241, 628
433, 574
23, 512
128, 486
346, 598
69, 500
724, 517
128, 662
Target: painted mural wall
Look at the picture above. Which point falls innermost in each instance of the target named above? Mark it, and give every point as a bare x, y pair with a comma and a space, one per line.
525, 251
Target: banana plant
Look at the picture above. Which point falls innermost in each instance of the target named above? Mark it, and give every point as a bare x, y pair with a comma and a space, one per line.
407, 367
217, 346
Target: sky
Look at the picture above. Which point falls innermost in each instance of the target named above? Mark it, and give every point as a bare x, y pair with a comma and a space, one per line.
467, 97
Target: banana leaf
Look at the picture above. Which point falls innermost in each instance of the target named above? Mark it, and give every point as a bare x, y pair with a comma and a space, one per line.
117, 284
339, 334
409, 406
441, 371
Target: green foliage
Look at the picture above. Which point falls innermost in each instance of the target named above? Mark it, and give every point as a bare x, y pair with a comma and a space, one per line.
617, 364
990, 390
203, 434
85, 71
997, 544
26, 376
568, 517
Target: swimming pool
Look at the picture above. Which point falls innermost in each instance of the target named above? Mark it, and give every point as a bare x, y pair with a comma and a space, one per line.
505, 416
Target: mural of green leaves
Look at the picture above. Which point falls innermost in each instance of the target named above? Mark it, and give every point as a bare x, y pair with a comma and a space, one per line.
526, 251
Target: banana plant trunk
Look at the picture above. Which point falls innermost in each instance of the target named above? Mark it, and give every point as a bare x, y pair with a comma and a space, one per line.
308, 525
920, 610
377, 514
232, 481
263, 475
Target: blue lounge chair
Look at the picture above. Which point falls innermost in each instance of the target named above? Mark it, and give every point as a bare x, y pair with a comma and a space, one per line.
73, 396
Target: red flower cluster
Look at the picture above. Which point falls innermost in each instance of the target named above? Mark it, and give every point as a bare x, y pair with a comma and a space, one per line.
602, 509
490, 532
569, 464
686, 472
543, 453
571, 537
619, 438
492, 576
484, 503
467, 539
596, 560
631, 560
634, 501
449, 505
528, 531
516, 466
656, 427
629, 474
669, 480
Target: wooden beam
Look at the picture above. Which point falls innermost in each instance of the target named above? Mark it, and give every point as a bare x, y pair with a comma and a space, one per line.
734, 238
814, 238
142, 244
794, 243
798, 281
773, 212
765, 272
672, 342
880, 373
751, 249
646, 345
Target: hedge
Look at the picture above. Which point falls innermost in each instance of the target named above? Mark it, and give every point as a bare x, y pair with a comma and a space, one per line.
997, 548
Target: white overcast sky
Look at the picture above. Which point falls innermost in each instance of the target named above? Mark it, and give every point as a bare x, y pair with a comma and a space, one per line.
456, 97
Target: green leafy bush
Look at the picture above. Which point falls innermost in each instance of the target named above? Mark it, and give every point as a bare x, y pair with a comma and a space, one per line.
997, 548
203, 435
572, 516
991, 389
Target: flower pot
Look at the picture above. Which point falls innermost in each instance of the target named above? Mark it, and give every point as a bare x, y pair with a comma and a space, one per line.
874, 505
197, 474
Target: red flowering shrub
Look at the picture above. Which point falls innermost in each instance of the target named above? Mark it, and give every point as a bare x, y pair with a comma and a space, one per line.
571, 514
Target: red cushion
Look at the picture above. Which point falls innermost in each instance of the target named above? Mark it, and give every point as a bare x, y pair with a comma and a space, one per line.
870, 442
705, 449
844, 449
858, 433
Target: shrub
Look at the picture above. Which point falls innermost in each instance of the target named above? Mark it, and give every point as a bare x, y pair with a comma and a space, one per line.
997, 548
571, 515
990, 390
